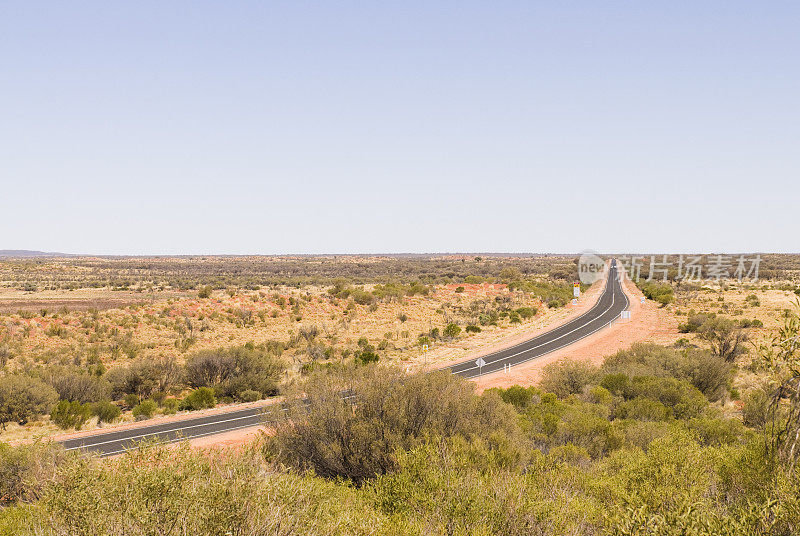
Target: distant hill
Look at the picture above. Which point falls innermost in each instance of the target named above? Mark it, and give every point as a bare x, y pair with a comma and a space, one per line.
29, 253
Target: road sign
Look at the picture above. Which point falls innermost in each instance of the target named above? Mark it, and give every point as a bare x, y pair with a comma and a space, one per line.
576, 289
480, 362
626, 315
574, 301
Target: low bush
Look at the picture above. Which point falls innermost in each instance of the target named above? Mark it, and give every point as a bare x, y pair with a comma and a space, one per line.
200, 398
131, 400
145, 410
526, 312
250, 396
232, 371
518, 396
23, 399
170, 406
708, 372
143, 377
80, 387
26, 469
451, 331
359, 437
105, 411
568, 377
71, 414
755, 410
658, 292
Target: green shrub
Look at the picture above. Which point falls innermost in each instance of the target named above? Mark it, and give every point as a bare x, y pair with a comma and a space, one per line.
693, 323
489, 318
683, 399
568, 377
170, 406
472, 329
23, 399
106, 411
393, 411
707, 372
250, 396
231, 371
200, 398
26, 469
365, 357
755, 410
143, 377
518, 396
526, 312
131, 400
175, 492
362, 297
725, 337
659, 292
451, 331
71, 414
752, 300
715, 431
80, 387
643, 409
586, 427
617, 384
145, 410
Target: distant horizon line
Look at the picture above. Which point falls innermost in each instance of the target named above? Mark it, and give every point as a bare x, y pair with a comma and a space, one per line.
25, 253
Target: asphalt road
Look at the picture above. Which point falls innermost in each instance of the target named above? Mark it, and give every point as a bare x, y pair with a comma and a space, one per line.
115, 442
607, 309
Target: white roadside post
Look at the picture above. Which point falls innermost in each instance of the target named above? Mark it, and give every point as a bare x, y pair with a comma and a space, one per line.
480, 362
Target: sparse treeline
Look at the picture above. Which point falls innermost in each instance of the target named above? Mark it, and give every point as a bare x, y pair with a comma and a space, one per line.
193, 273
220, 272
637, 446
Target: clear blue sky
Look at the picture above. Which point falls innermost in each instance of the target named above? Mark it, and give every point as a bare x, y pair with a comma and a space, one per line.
274, 127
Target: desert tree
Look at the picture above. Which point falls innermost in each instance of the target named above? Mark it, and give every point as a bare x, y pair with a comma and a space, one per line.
726, 337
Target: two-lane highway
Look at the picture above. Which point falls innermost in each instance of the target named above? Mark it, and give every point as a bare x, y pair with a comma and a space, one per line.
117, 441
607, 309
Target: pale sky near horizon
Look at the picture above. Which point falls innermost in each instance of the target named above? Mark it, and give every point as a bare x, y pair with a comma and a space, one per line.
352, 127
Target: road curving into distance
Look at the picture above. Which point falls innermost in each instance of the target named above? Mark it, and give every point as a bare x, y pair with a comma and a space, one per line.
607, 309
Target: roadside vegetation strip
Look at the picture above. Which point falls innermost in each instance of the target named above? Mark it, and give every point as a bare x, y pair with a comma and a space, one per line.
180, 430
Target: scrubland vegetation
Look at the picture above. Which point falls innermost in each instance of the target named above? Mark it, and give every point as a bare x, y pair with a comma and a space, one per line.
243, 328
699, 437
641, 445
